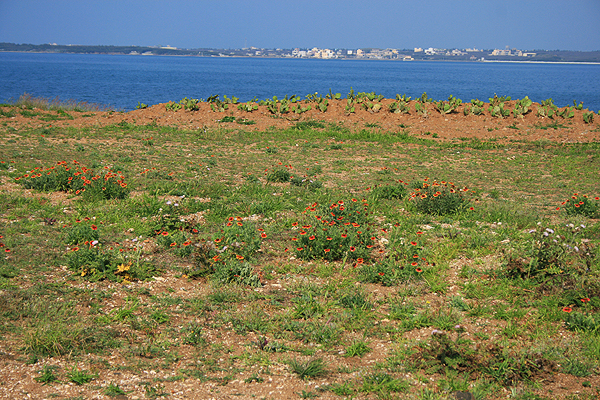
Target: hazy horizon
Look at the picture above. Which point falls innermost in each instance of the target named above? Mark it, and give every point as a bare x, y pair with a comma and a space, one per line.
351, 24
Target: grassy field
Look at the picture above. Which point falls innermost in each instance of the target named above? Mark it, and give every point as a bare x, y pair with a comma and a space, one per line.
343, 265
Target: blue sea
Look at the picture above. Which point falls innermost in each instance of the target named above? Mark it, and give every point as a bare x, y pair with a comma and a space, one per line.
121, 81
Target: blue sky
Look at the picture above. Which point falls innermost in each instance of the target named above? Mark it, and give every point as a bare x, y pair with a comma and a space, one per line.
484, 24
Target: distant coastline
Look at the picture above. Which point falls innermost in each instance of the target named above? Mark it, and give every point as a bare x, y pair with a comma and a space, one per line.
416, 54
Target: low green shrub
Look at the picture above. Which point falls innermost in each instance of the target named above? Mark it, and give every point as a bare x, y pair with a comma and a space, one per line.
335, 232
440, 198
582, 205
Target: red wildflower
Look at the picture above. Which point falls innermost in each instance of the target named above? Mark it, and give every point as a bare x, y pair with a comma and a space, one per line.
585, 300
419, 270
94, 227
567, 309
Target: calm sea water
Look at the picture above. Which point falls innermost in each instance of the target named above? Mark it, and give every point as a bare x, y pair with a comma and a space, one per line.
122, 81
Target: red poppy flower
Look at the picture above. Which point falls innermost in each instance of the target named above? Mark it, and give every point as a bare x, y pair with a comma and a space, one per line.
218, 240
240, 224
327, 250
312, 237
585, 300
303, 232
165, 233
263, 235
344, 235
567, 309
419, 270
352, 248
299, 248
294, 238
414, 263
94, 227
413, 243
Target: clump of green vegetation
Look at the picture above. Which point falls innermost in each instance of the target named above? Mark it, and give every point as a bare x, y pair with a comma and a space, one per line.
440, 198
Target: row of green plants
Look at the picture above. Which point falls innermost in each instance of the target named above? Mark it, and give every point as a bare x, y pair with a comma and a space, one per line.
371, 102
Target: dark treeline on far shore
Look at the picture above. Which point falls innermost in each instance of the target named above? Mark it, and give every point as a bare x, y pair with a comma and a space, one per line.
430, 54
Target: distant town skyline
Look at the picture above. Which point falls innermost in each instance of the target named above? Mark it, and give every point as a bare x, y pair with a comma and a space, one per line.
333, 24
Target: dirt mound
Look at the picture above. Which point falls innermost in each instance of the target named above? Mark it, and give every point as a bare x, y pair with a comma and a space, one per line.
434, 124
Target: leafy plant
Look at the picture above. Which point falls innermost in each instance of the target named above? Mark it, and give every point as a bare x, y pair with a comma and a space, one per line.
588, 117
279, 175
47, 375
312, 368
446, 107
340, 231
332, 96
582, 205
496, 108
475, 107
141, 106
522, 107
566, 113
547, 109
218, 105
394, 191
236, 271
322, 102
114, 390
248, 106
357, 349
172, 106
81, 377
421, 109
401, 105
552, 254
440, 198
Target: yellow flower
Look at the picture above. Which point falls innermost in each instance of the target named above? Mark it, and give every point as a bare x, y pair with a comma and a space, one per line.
123, 267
